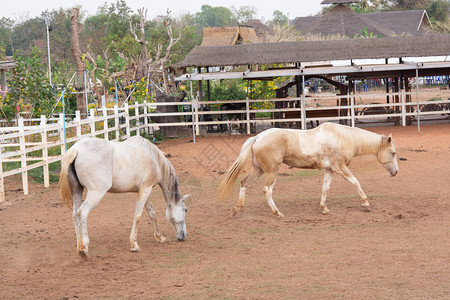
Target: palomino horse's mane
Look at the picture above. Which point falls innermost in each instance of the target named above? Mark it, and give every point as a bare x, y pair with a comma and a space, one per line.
360, 140
168, 177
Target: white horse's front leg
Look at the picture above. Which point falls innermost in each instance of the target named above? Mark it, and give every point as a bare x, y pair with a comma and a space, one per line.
349, 176
151, 213
93, 198
325, 188
143, 195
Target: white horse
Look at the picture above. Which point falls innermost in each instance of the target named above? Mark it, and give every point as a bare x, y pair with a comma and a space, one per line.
135, 165
328, 146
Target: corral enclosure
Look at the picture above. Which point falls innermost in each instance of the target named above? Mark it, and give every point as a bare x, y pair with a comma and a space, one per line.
398, 250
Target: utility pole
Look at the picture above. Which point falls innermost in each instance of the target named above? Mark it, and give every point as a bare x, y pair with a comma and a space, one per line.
46, 16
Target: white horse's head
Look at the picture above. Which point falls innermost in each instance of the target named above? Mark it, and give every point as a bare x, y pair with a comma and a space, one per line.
387, 156
176, 213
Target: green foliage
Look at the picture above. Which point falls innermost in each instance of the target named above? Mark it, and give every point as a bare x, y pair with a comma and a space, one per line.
438, 11
29, 88
218, 16
244, 13
279, 18
228, 90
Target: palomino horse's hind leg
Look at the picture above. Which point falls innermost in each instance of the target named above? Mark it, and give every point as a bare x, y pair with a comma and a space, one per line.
268, 189
151, 213
325, 188
246, 181
143, 195
349, 176
93, 198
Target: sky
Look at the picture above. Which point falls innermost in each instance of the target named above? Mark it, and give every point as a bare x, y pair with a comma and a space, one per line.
20, 9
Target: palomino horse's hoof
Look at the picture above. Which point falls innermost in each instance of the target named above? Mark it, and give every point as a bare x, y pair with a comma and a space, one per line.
279, 215
326, 211
83, 254
366, 206
160, 238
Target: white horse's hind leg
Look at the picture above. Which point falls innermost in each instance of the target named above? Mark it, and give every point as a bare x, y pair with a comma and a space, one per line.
93, 198
151, 213
77, 199
268, 189
143, 195
325, 188
349, 176
246, 181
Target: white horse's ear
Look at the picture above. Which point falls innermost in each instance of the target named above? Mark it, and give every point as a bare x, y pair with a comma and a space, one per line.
185, 197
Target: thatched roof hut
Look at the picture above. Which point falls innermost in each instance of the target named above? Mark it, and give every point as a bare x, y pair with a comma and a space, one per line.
226, 36
341, 20
312, 51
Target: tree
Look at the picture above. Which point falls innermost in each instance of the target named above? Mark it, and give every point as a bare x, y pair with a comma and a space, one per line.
214, 17
279, 18
29, 87
77, 56
244, 13
438, 10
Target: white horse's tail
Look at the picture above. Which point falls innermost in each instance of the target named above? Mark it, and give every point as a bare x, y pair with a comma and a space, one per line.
234, 171
64, 182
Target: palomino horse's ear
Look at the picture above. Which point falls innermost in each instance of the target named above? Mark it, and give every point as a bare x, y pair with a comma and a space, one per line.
185, 197
389, 140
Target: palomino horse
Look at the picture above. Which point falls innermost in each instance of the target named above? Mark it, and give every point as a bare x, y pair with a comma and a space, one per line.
328, 146
135, 165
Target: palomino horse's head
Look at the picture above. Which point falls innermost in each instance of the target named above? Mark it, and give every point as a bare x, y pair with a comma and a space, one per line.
176, 213
387, 156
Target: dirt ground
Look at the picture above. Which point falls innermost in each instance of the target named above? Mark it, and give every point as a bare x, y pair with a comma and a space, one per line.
398, 250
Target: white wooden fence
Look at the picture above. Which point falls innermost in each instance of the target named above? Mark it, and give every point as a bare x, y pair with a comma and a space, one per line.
39, 145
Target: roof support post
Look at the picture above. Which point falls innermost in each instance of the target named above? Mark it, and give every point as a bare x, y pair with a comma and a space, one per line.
417, 94
303, 111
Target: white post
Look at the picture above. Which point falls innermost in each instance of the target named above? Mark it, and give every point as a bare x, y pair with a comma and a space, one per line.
403, 107
78, 123
23, 156
146, 129
45, 151
105, 123
303, 104
192, 115
2, 187
197, 126
247, 108
136, 113
417, 92
61, 133
127, 120
92, 121
116, 122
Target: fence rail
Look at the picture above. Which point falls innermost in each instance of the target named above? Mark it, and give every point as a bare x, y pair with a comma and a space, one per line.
39, 145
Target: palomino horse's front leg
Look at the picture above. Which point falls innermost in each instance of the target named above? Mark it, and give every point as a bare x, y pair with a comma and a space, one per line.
151, 213
325, 188
349, 176
143, 195
93, 198
246, 181
268, 189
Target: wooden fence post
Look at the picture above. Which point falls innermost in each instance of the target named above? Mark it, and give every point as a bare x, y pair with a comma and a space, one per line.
352, 109
61, 133
92, 121
45, 150
78, 122
403, 107
146, 127
127, 120
23, 156
136, 113
247, 108
197, 126
105, 123
2, 186
116, 122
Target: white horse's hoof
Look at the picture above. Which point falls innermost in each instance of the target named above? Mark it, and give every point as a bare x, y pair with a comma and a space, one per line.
135, 247
83, 254
326, 212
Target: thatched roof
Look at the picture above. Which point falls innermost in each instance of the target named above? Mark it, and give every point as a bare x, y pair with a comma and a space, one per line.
339, 1
411, 22
226, 36
261, 30
310, 51
342, 20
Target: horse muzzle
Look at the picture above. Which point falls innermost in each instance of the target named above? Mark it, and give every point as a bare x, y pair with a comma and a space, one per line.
181, 236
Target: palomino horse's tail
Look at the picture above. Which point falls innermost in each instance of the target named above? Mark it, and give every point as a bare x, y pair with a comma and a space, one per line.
234, 171
64, 182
